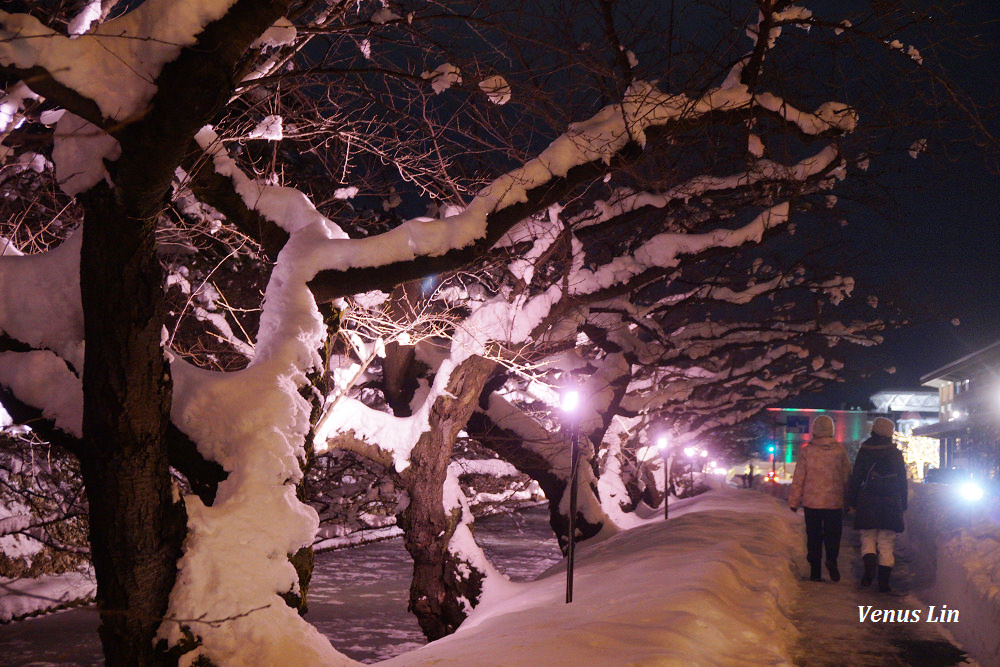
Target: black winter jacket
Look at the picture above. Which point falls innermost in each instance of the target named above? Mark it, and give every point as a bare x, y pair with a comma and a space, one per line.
877, 488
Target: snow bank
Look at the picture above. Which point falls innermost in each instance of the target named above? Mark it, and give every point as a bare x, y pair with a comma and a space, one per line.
955, 548
710, 586
25, 597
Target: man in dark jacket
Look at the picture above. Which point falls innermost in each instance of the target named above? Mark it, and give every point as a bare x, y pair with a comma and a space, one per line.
877, 493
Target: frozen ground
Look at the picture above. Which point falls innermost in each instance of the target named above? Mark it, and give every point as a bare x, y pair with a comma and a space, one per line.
718, 585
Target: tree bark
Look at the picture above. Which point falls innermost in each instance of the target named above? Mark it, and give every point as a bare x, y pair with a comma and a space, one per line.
513, 448
137, 524
440, 578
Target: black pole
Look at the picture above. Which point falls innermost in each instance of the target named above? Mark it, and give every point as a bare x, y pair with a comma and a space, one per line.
573, 454
666, 488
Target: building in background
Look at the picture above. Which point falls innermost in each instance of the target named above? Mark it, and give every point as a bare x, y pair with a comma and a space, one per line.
968, 425
789, 429
910, 410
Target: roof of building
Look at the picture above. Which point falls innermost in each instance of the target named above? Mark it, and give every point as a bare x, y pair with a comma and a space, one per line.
905, 400
957, 369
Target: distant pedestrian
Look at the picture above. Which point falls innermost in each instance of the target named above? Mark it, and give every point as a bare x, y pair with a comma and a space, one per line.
877, 492
749, 477
818, 485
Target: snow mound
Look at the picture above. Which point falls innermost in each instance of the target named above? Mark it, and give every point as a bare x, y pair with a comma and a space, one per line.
707, 587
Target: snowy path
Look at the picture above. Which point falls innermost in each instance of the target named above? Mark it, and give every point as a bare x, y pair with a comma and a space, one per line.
827, 616
711, 587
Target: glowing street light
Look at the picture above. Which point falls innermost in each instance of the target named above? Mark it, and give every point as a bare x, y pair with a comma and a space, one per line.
971, 491
570, 403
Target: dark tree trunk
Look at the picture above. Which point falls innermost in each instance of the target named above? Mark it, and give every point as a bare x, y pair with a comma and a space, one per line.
438, 582
534, 457
399, 379
136, 524
511, 447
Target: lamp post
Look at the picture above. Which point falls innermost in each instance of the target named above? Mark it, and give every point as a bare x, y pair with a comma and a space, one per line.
690, 452
570, 402
661, 443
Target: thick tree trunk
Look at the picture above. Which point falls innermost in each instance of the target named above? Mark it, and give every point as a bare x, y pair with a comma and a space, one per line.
137, 524
513, 448
440, 579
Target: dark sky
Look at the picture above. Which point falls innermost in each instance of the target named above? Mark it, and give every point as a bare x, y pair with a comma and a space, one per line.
940, 254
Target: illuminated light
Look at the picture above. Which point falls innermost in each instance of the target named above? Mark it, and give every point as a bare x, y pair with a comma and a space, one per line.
955, 414
770, 449
704, 454
570, 400
971, 491
661, 442
689, 451
919, 453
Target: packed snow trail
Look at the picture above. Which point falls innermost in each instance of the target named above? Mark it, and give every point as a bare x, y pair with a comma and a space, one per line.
827, 616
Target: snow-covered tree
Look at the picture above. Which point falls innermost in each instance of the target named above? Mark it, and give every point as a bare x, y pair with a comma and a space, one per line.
610, 234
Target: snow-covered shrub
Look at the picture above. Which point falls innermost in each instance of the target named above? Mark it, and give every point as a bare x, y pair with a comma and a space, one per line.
43, 516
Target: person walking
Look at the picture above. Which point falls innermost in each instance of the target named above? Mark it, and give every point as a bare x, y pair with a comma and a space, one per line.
877, 495
818, 486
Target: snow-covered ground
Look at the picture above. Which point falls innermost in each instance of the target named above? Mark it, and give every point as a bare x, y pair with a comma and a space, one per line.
718, 584
955, 543
20, 598
712, 586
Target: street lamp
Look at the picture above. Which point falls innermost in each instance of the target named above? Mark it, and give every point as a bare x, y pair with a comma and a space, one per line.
570, 402
690, 452
661, 442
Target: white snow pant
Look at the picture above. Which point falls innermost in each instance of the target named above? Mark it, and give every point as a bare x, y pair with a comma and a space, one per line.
881, 542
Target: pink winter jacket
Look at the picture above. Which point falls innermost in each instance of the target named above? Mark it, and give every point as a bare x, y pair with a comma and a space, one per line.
821, 476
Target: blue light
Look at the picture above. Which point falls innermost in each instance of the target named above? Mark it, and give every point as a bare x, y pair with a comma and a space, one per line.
971, 491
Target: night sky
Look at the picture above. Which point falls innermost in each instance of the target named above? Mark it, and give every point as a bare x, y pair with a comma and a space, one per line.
937, 253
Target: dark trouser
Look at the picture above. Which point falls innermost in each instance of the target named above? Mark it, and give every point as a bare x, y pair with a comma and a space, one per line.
823, 528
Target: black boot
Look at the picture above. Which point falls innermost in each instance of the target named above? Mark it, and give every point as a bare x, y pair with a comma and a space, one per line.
815, 571
871, 561
831, 567
883, 579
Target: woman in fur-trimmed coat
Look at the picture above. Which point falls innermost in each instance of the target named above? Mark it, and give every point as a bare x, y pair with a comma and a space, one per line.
818, 485
877, 493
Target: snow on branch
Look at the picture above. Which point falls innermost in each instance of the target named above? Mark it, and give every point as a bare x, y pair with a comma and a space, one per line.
115, 64
40, 300
42, 380
664, 250
761, 171
596, 141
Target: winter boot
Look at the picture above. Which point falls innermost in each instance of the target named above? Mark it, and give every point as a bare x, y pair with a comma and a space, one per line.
871, 561
831, 567
815, 571
883, 579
